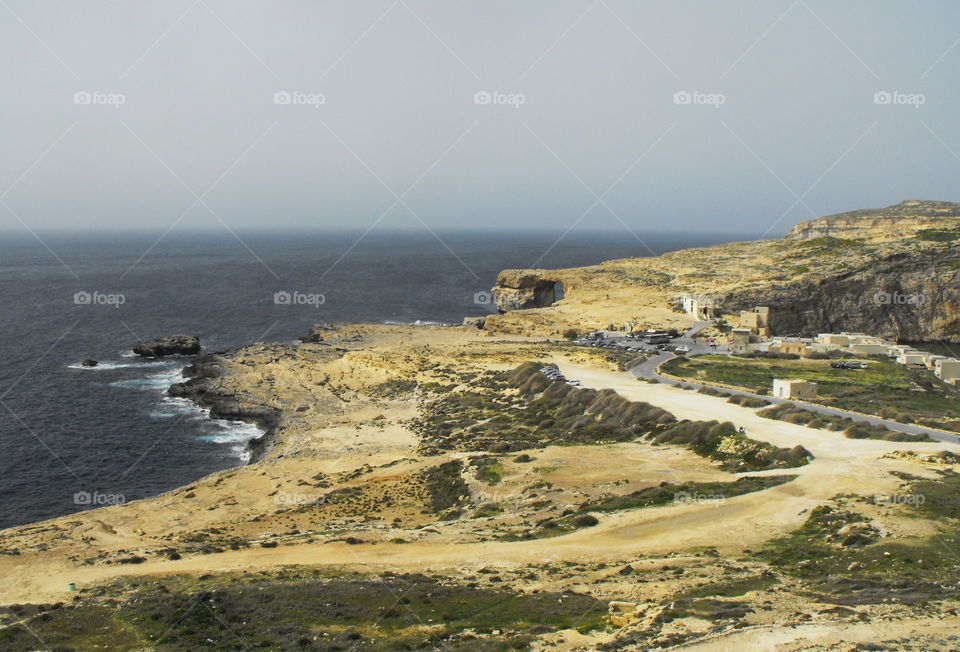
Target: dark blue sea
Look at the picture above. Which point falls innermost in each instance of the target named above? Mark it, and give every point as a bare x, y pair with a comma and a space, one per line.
71, 436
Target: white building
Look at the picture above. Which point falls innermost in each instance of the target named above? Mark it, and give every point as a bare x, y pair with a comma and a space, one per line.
700, 306
948, 370
794, 388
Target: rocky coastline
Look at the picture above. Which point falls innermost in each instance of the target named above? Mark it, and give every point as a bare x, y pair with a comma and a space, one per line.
204, 388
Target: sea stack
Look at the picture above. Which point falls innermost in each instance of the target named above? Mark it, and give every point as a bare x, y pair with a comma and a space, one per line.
168, 345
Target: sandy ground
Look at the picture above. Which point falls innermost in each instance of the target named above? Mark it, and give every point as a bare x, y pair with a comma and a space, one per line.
731, 525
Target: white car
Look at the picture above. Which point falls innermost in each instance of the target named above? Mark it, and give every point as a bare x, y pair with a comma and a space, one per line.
682, 349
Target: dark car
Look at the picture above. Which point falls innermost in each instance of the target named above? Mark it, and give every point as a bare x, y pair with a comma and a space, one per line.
848, 364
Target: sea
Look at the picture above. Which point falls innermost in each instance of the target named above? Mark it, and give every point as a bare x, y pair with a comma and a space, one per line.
75, 437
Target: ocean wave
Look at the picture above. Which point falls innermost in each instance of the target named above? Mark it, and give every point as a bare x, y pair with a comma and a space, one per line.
236, 434
107, 366
418, 322
158, 381
175, 406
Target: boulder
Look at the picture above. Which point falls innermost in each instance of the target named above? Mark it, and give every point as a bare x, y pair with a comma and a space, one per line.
168, 345
315, 334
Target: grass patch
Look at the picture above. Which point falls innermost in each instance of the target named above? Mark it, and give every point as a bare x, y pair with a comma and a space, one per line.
748, 401
523, 409
885, 388
301, 610
668, 492
853, 429
446, 487
733, 588
487, 509
489, 469
938, 235
907, 570
736, 452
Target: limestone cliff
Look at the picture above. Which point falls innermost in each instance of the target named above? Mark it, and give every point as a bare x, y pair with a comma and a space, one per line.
893, 272
908, 298
888, 223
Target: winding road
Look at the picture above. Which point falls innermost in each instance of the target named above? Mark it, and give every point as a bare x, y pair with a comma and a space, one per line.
648, 370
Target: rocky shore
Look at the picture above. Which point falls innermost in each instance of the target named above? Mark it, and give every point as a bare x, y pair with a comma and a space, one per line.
205, 389
445, 460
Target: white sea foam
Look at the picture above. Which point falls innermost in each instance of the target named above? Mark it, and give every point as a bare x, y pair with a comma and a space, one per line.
165, 373
234, 433
418, 322
160, 381
107, 366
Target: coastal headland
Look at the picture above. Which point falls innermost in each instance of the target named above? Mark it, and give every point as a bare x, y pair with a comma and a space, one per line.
438, 487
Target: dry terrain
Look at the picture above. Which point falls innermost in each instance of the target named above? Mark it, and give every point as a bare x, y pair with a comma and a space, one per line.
431, 488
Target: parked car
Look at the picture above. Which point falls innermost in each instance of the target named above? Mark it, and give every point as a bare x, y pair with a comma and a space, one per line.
848, 364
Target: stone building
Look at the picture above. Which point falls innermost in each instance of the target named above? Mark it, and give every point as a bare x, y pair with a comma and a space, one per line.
757, 320
794, 388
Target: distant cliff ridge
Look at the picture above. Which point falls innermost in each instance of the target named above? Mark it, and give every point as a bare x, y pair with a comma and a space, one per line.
904, 297
893, 272
881, 223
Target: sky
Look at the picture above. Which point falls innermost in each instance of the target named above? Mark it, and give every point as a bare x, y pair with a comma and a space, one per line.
740, 116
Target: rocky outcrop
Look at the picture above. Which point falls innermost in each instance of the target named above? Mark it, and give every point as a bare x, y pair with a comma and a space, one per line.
891, 222
906, 297
317, 332
204, 389
523, 289
168, 345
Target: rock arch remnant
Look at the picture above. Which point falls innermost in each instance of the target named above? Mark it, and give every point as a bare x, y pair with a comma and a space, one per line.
521, 290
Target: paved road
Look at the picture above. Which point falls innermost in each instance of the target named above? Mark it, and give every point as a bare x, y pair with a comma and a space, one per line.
648, 370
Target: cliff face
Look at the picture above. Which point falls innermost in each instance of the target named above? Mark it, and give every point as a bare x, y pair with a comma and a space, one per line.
522, 289
891, 272
903, 297
891, 222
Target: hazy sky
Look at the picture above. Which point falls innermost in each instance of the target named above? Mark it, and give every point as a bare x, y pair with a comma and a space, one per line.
723, 116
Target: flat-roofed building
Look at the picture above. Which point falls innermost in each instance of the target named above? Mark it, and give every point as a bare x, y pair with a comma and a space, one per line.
947, 369
700, 306
792, 345
833, 339
757, 320
794, 388
739, 340
869, 349
912, 357
932, 358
